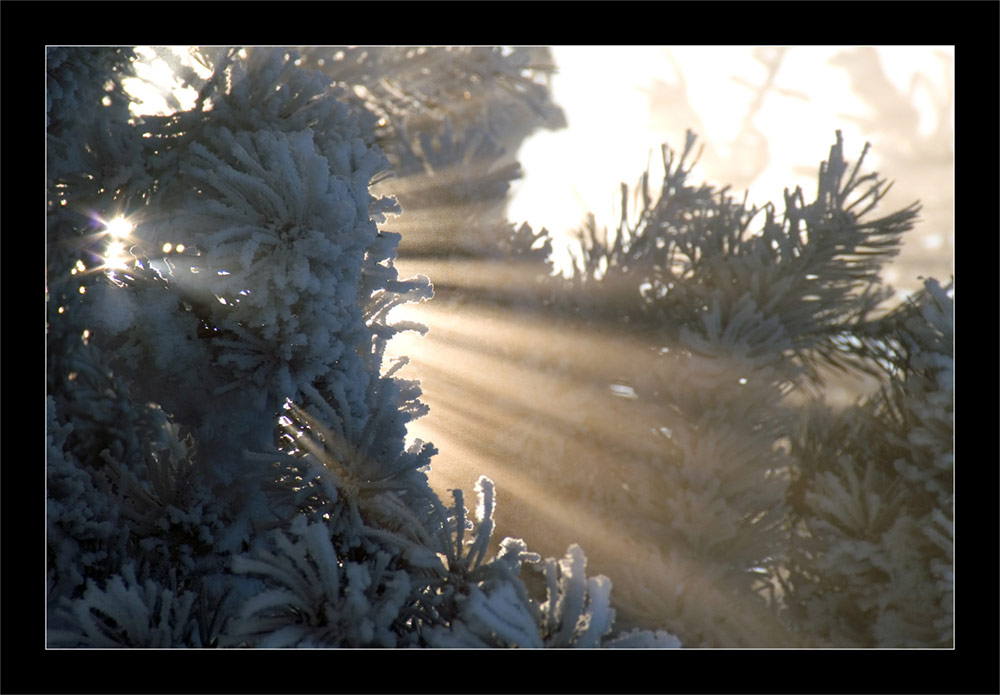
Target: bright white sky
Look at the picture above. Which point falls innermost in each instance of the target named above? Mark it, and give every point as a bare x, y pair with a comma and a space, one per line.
612, 133
615, 129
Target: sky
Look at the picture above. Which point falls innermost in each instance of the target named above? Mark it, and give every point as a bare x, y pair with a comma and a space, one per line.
622, 102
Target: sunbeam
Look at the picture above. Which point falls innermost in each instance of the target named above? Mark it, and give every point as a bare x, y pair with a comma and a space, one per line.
568, 419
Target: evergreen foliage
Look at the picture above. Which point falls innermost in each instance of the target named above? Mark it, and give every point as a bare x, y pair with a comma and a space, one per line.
226, 457
227, 462
739, 316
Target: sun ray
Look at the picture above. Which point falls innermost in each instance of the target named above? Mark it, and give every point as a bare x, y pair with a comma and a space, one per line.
515, 392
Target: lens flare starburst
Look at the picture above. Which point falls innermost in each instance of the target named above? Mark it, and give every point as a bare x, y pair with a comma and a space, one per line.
116, 253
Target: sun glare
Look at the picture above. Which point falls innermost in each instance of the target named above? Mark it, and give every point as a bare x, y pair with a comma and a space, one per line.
157, 89
115, 256
119, 228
